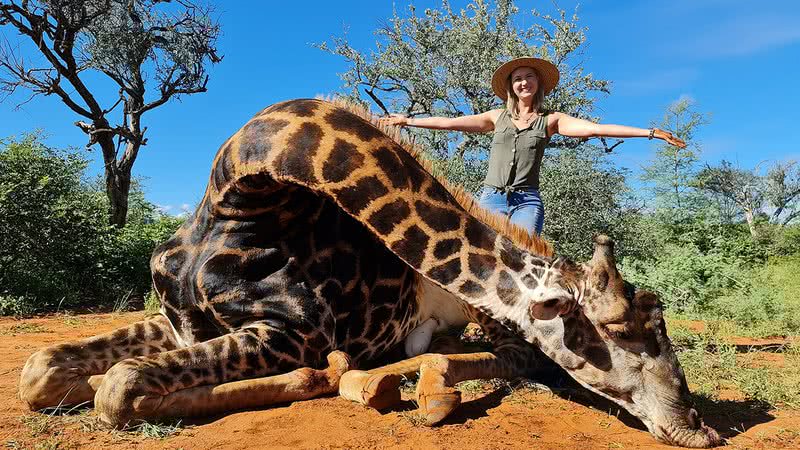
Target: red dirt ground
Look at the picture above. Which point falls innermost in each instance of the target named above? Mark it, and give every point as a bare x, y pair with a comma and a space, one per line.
492, 419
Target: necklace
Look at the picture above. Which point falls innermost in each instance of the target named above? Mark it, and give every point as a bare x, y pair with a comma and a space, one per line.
530, 117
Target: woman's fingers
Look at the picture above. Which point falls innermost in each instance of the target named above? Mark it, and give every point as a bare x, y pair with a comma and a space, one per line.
670, 138
394, 119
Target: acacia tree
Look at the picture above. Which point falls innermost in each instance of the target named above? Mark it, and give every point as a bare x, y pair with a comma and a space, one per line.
672, 170
742, 187
440, 63
153, 51
778, 191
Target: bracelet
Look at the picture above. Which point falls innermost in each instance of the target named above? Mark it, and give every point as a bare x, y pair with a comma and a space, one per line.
652, 133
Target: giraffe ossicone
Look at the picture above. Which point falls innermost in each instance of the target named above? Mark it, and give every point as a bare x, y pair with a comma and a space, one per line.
321, 243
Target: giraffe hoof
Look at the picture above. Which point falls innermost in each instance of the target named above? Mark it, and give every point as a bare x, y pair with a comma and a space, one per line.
339, 363
436, 400
436, 406
377, 391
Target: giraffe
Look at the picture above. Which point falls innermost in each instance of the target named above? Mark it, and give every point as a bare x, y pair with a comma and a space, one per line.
321, 244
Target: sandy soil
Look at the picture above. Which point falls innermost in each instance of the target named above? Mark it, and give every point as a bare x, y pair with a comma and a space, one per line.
490, 418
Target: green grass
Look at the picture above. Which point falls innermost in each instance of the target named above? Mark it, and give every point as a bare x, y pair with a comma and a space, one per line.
713, 367
156, 430
151, 302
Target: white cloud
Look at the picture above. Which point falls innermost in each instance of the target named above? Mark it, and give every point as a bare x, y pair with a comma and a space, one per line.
744, 36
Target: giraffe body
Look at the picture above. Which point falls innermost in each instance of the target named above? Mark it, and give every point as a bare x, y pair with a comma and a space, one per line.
320, 245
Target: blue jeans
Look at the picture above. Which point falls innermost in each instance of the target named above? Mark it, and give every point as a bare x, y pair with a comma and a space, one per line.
524, 207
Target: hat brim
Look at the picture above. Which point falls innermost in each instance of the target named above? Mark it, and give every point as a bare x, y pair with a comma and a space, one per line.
547, 73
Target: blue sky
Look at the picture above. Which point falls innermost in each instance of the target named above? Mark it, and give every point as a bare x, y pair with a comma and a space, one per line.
737, 59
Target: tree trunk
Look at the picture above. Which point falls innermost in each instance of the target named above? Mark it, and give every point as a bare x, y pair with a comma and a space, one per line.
118, 184
117, 177
751, 222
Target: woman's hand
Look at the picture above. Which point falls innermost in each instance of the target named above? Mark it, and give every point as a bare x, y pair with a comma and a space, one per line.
397, 120
669, 137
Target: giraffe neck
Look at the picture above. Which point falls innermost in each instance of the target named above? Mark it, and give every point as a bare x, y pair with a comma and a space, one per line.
337, 154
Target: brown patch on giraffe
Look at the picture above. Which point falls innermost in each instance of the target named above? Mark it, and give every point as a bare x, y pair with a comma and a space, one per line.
413, 245
478, 236
389, 216
255, 141
391, 166
446, 273
446, 247
511, 256
223, 169
530, 281
342, 161
411, 170
357, 197
343, 120
482, 266
409, 153
439, 219
507, 290
302, 108
303, 145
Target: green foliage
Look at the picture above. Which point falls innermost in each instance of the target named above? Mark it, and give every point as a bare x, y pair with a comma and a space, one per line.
440, 62
768, 299
584, 194
96, 55
686, 277
672, 169
50, 226
712, 365
56, 249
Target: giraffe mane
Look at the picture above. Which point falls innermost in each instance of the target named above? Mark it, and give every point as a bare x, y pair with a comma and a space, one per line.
518, 235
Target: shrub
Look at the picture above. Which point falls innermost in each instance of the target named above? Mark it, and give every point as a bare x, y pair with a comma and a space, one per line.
56, 249
768, 303
686, 278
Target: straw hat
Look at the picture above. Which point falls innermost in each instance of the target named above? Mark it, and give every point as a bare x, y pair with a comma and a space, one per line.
547, 72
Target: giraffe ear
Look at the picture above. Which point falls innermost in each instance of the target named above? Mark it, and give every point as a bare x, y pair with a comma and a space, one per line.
552, 308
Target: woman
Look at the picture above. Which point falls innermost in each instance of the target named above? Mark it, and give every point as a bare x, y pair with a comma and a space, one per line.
521, 133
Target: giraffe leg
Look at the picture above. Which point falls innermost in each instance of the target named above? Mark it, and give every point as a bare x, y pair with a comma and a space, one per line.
215, 376
438, 373
379, 388
69, 374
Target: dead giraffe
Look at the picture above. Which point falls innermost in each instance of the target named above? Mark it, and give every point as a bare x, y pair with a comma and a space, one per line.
321, 240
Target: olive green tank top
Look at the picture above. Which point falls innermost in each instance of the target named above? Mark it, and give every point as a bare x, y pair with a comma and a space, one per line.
516, 155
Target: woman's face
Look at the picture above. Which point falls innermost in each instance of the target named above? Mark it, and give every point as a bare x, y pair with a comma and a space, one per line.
524, 82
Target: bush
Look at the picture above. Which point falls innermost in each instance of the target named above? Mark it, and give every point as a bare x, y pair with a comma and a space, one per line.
56, 249
686, 278
769, 299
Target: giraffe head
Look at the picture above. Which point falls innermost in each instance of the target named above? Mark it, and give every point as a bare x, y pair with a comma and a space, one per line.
612, 339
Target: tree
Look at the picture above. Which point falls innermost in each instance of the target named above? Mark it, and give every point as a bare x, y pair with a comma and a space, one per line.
751, 192
142, 46
742, 187
440, 63
782, 192
673, 169
584, 195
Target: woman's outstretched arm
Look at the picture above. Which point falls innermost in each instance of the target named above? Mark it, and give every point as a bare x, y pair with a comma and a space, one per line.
566, 125
478, 123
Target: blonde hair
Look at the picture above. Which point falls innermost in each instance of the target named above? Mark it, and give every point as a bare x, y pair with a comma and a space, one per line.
512, 102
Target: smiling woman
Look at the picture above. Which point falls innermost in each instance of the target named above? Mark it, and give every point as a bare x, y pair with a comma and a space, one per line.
522, 130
